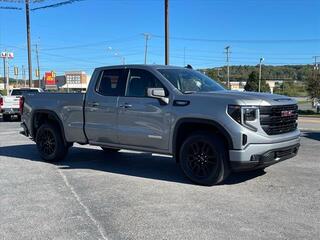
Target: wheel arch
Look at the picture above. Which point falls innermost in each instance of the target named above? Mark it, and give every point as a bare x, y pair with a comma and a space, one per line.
184, 127
42, 116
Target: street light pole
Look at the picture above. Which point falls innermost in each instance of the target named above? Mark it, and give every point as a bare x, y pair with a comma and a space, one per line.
41, 85
261, 60
28, 41
166, 31
228, 67
4, 73
147, 37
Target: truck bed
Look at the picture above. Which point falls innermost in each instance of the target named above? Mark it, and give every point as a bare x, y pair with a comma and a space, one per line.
68, 107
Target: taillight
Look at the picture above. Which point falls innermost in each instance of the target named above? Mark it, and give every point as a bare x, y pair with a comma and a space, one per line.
1, 102
21, 103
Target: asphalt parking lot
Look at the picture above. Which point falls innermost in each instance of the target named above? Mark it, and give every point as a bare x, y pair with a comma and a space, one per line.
131, 195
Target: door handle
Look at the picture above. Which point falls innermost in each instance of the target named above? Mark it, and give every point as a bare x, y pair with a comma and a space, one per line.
94, 104
126, 105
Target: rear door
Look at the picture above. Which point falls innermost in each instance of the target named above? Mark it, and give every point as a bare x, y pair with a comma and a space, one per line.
101, 107
143, 121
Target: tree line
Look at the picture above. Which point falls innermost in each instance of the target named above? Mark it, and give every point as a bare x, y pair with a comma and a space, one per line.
294, 80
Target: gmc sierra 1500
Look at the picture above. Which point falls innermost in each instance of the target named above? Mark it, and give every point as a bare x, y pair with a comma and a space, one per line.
210, 131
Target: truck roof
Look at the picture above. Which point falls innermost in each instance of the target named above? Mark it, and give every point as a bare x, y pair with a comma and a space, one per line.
143, 66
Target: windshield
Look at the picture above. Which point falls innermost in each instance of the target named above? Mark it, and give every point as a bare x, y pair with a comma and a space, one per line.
189, 81
18, 92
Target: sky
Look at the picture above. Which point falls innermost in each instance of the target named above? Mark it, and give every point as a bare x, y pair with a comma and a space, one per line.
93, 33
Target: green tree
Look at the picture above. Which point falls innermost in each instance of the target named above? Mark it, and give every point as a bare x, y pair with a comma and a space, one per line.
313, 85
252, 84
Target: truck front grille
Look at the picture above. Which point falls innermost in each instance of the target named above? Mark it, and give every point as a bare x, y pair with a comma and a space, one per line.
279, 119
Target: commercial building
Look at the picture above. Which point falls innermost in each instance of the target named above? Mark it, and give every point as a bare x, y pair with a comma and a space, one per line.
75, 81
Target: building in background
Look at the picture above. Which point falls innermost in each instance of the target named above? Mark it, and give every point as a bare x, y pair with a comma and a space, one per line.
237, 86
273, 83
75, 81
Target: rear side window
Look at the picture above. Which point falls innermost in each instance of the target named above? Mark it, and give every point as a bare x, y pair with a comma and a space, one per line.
17, 92
112, 82
139, 81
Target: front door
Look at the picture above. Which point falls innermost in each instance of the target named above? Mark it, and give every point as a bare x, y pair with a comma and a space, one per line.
143, 121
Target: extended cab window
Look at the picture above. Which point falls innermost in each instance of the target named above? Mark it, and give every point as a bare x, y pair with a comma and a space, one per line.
17, 92
139, 81
112, 82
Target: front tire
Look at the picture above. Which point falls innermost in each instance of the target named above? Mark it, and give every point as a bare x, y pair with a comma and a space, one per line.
50, 143
203, 159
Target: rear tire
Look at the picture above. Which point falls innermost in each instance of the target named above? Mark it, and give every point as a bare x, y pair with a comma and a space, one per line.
203, 159
110, 150
50, 143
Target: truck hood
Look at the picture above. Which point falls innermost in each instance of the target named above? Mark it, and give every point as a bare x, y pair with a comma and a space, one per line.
249, 98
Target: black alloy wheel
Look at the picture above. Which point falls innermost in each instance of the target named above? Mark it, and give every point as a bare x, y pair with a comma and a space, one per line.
203, 159
50, 143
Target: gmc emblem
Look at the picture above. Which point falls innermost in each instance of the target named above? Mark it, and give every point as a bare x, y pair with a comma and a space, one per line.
286, 113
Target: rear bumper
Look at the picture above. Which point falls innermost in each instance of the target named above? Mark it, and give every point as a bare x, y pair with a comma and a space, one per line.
10, 111
257, 156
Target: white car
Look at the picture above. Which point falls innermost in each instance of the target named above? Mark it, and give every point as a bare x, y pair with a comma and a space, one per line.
10, 105
318, 106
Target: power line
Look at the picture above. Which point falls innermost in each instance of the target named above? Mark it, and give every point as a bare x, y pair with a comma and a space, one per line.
244, 40
56, 5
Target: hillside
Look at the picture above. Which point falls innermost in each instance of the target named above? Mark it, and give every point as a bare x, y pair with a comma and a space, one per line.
241, 72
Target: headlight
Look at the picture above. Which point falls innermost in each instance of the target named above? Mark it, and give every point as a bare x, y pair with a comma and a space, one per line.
249, 114
244, 115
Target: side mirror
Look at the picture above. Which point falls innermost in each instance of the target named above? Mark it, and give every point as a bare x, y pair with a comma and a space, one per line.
158, 93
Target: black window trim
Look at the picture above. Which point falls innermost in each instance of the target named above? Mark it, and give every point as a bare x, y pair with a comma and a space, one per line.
127, 83
100, 74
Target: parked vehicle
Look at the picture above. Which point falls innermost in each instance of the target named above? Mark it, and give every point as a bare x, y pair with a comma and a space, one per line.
317, 105
210, 131
9, 105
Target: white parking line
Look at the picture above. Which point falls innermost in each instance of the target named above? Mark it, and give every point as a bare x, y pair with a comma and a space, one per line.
86, 209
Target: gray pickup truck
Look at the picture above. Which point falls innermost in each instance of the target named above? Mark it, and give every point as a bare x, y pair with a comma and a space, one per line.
208, 130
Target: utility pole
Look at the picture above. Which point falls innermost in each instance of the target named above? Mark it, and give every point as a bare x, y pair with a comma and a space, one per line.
166, 30
28, 41
260, 63
4, 72
228, 68
316, 67
38, 68
184, 56
23, 72
7, 77
147, 37
16, 73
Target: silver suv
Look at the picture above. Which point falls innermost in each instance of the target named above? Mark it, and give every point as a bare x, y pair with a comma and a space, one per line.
209, 130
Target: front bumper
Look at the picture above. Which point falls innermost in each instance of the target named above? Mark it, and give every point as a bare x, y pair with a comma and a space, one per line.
257, 156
